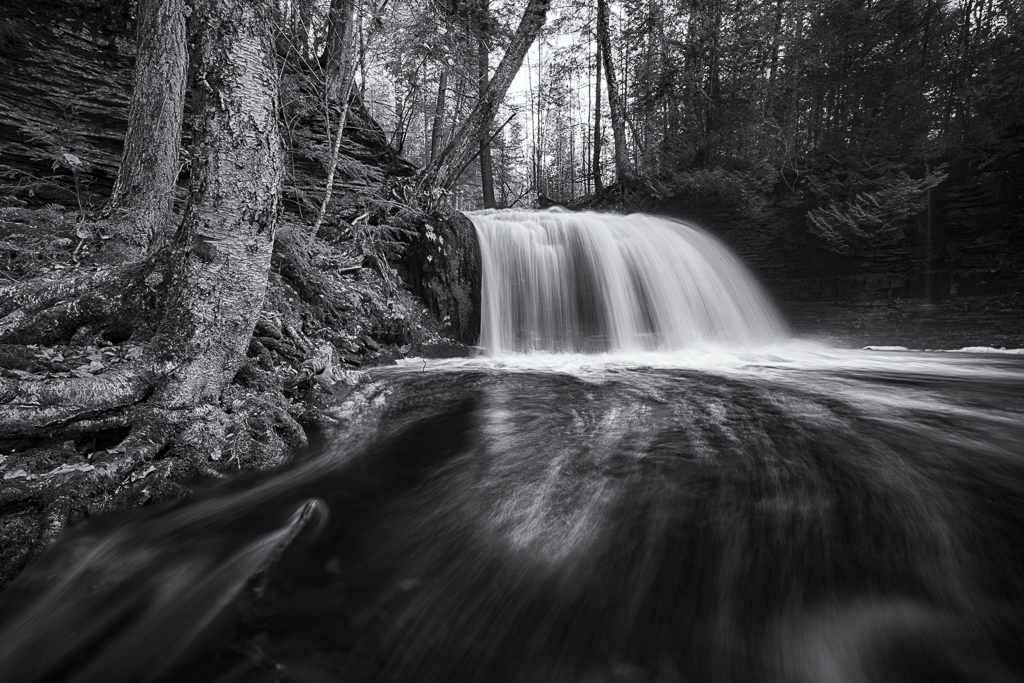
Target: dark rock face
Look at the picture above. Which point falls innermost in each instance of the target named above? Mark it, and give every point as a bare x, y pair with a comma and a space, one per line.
67, 70
444, 269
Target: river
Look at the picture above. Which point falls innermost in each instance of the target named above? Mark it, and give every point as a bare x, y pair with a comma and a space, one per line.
766, 510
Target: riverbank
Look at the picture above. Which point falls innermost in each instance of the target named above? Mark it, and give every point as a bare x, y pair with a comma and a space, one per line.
336, 305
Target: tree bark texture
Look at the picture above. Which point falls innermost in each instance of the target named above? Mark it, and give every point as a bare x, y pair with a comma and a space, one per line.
341, 51
483, 65
623, 170
444, 169
225, 242
437, 126
144, 188
598, 182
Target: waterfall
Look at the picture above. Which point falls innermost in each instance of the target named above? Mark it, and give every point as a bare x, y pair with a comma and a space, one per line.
561, 282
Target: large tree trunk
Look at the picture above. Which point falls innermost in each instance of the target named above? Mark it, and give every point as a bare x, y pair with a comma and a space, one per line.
445, 168
215, 275
623, 169
225, 243
144, 189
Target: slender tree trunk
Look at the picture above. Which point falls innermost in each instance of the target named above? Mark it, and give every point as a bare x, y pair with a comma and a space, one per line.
362, 60
598, 183
623, 171
713, 78
401, 106
776, 44
539, 139
144, 188
437, 128
225, 242
340, 58
461, 90
340, 55
585, 132
445, 168
650, 88
483, 64
426, 136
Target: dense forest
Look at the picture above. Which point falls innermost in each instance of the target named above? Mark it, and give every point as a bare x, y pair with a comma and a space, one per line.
214, 212
858, 107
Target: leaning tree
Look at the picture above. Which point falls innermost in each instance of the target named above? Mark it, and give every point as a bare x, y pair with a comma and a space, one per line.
473, 135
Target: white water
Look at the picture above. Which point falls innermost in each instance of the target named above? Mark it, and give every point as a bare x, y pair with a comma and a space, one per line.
562, 282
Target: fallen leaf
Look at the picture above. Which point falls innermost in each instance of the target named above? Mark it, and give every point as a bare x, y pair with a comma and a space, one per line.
141, 475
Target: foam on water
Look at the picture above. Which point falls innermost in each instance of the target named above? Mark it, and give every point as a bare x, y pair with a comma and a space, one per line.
781, 358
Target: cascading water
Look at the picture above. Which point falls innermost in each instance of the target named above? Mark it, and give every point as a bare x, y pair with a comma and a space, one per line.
795, 514
561, 282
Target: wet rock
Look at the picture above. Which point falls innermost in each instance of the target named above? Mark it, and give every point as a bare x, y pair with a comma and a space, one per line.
444, 269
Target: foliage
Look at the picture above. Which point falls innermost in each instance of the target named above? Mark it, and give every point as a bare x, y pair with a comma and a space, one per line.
733, 189
868, 210
64, 148
33, 242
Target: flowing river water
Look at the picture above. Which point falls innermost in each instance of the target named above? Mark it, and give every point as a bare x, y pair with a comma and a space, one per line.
612, 493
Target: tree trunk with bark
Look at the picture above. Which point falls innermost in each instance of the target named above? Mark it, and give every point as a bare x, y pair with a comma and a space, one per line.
437, 126
144, 189
623, 169
121, 384
483, 65
224, 246
445, 168
340, 55
598, 182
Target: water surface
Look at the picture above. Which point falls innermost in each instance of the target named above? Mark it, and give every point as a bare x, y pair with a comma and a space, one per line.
790, 514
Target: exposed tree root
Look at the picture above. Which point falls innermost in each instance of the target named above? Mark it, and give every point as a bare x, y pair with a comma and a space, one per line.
113, 300
38, 408
45, 292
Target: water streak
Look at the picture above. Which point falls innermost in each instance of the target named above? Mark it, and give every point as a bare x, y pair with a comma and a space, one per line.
587, 282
